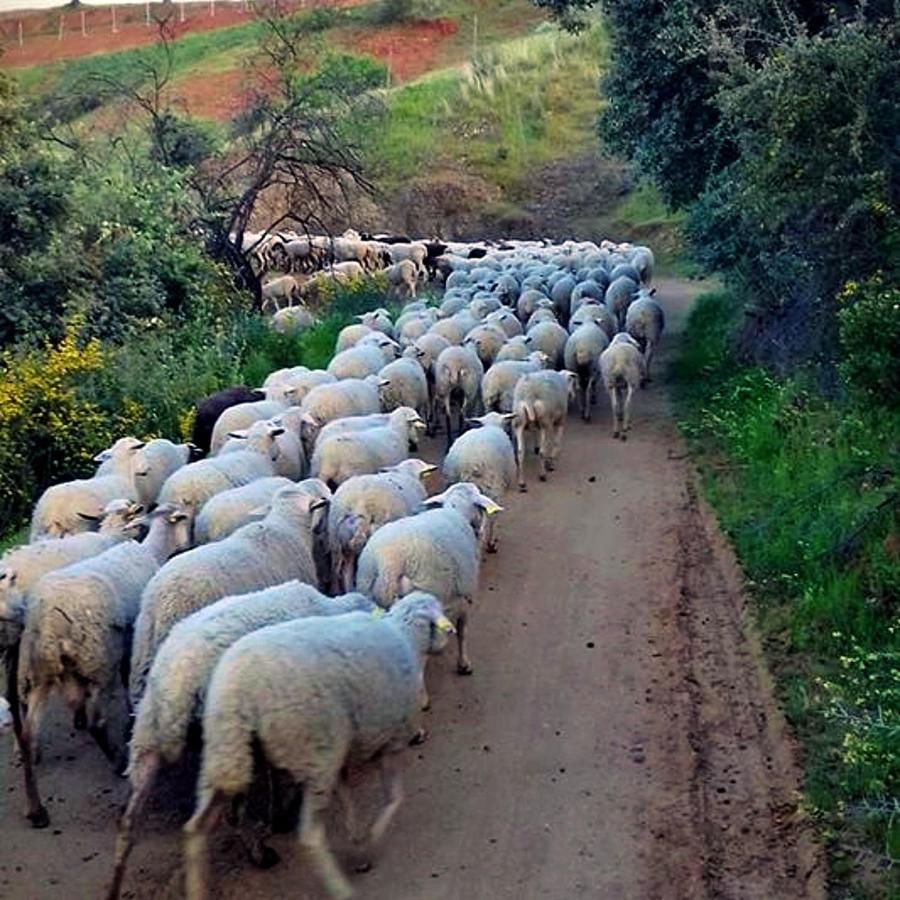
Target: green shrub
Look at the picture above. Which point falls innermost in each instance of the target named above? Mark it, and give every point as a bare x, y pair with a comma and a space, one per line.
869, 322
386, 12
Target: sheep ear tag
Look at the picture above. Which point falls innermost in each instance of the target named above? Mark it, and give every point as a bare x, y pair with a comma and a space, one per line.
445, 625
379, 613
492, 508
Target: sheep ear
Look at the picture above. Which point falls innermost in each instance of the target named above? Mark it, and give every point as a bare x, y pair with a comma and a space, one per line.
307, 419
508, 417
436, 500
384, 382
9, 576
490, 508
138, 445
103, 456
135, 509
260, 511
319, 503
177, 515
652, 292
239, 435
443, 624
88, 517
276, 430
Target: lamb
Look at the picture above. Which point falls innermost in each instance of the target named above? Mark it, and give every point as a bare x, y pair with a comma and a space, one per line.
279, 293
291, 458
403, 383
415, 252
550, 338
485, 457
192, 485
363, 504
153, 463
180, 676
210, 408
500, 380
331, 713
541, 400
22, 567
619, 295
621, 369
516, 348
341, 456
76, 637
240, 417
403, 278
582, 356
255, 556
645, 321
76, 506
436, 551
486, 340
349, 336
224, 513
457, 381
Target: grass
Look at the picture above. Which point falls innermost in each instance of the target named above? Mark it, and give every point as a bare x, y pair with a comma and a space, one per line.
807, 489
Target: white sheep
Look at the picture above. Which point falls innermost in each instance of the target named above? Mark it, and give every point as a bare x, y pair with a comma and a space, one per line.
292, 320
76, 637
516, 348
179, 679
622, 370
457, 382
338, 457
582, 356
239, 418
363, 504
499, 381
257, 555
549, 338
291, 459
403, 383
403, 278
596, 311
327, 402
485, 457
279, 293
619, 296
645, 321
224, 513
349, 336
292, 389
435, 551
507, 320
153, 463
486, 341
313, 696
357, 362
541, 401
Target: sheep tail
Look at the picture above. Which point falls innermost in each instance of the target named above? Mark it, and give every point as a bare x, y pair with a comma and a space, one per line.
141, 657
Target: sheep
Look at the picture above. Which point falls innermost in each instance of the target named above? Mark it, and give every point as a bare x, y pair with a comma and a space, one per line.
349, 336
643, 263
292, 320
350, 397
403, 278
621, 369
625, 270
241, 417
415, 252
582, 356
279, 293
561, 295
180, 675
357, 362
208, 410
544, 313
290, 461
516, 348
435, 551
452, 329
549, 338
596, 311
363, 504
349, 689
619, 295
541, 400
500, 380
403, 383
486, 340
153, 463
588, 289
22, 567
75, 639
292, 389
227, 511
341, 456
645, 321
76, 506
485, 457
255, 556
457, 381
192, 485
507, 320
528, 303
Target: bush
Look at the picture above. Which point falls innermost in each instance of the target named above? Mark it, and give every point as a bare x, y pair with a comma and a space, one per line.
869, 324
388, 11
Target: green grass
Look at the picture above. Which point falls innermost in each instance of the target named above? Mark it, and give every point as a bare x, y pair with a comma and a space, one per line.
13, 539
806, 489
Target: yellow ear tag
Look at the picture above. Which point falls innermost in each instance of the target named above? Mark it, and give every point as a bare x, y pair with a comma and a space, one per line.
445, 625
493, 509
379, 613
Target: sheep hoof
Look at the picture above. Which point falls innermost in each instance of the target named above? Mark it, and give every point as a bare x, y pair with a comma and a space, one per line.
551, 466
39, 819
624, 436
264, 857
79, 723
362, 866
523, 488
418, 738
493, 547
464, 668
615, 434
542, 476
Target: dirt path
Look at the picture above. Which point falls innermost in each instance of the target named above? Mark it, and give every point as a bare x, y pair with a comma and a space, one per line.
617, 740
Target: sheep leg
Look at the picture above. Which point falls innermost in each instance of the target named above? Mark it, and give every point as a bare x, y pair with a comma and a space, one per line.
28, 739
586, 401
143, 774
447, 417
392, 795
614, 403
196, 843
487, 530
361, 862
519, 428
313, 839
626, 419
463, 663
556, 436
545, 448
648, 356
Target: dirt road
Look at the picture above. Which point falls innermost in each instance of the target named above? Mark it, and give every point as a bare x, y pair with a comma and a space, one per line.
617, 740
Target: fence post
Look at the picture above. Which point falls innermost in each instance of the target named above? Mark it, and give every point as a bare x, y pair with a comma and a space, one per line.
21, 34
181, 14
212, 8
61, 27
147, 13
83, 25
474, 35
114, 29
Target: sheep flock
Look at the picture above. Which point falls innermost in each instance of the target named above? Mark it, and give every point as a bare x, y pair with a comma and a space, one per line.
278, 585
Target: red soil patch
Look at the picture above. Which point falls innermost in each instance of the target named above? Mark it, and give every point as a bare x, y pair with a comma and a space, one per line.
41, 29
409, 50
